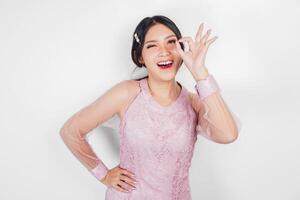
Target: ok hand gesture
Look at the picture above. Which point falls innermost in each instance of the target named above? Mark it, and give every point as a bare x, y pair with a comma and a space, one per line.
194, 52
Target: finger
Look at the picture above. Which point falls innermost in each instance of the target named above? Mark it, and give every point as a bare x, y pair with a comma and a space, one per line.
207, 36
208, 42
199, 33
203, 40
127, 173
128, 180
179, 50
186, 47
119, 188
125, 185
190, 42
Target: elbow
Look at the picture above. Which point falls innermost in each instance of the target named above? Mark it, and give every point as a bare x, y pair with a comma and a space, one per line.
226, 136
223, 138
62, 132
232, 136
70, 131
65, 130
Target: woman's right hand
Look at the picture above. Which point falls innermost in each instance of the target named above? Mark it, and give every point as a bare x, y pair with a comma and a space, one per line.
119, 178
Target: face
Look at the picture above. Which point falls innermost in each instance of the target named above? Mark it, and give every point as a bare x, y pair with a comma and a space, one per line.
160, 48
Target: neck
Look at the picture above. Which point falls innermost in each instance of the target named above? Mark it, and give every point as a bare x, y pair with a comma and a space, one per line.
167, 90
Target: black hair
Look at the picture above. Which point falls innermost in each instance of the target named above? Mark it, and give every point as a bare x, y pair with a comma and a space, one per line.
138, 36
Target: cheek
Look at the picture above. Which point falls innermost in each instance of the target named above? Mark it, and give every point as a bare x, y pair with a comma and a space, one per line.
149, 56
173, 49
176, 55
152, 52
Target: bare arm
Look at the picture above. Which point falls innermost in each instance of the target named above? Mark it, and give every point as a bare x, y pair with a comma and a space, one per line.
215, 120
76, 128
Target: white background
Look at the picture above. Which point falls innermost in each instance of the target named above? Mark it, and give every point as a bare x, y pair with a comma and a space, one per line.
58, 56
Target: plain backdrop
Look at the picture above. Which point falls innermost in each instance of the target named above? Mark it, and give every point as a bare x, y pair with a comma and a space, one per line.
58, 56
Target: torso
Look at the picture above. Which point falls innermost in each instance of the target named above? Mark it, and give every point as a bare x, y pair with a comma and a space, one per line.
156, 144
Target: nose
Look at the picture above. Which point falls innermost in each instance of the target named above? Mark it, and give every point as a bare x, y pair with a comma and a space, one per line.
164, 50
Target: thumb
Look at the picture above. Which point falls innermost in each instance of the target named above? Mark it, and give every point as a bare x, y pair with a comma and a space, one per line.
179, 50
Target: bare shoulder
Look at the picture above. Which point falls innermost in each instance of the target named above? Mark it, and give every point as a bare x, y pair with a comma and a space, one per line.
131, 89
125, 88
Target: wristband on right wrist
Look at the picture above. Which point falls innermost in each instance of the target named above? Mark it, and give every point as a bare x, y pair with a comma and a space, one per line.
206, 87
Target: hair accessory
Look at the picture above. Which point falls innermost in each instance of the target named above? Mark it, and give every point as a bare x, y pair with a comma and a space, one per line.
137, 38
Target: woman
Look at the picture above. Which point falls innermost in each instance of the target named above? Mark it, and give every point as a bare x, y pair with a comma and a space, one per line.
160, 118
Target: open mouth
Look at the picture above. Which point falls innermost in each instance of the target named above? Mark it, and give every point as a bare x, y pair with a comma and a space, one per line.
165, 64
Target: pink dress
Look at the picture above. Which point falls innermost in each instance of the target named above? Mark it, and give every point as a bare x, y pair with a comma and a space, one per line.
156, 142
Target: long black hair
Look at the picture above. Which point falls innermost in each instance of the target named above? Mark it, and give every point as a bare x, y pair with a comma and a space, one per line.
138, 36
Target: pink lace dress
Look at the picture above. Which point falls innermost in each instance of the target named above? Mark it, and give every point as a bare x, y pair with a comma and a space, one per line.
156, 143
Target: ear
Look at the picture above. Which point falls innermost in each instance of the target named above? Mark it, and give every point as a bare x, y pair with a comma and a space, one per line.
141, 60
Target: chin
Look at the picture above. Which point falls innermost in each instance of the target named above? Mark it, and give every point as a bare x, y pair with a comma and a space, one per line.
167, 76
164, 74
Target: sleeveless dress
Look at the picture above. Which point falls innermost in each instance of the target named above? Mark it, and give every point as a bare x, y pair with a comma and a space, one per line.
157, 144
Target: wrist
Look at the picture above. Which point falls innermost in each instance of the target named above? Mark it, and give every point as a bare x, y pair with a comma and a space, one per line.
100, 171
206, 87
201, 74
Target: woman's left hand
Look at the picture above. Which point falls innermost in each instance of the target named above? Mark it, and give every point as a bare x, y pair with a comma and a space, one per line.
194, 54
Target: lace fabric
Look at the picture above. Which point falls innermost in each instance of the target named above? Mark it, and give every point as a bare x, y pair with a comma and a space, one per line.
156, 142
214, 115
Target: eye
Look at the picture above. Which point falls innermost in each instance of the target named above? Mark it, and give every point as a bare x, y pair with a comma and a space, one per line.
172, 41
150, 46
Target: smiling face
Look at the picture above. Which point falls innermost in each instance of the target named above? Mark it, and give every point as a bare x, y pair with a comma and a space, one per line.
159, 53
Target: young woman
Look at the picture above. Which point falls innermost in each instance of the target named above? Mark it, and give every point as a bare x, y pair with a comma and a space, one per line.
160, 118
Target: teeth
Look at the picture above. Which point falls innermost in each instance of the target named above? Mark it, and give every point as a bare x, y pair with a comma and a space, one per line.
165, 62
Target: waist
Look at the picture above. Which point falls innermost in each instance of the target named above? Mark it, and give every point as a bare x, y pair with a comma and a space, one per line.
146, 192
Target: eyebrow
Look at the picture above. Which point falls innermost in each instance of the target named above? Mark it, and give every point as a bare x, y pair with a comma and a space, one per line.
165, 38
